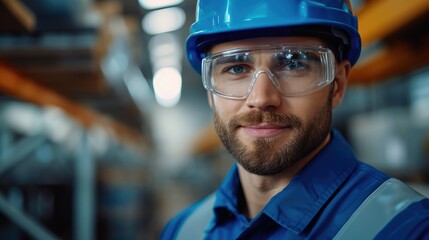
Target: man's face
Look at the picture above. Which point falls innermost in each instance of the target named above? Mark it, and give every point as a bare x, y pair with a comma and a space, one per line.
268, 133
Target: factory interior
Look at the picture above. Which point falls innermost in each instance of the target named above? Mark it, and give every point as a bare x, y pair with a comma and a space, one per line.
105, 129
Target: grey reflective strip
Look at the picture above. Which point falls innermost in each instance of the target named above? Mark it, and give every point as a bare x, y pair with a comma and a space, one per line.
392, 197
195, 225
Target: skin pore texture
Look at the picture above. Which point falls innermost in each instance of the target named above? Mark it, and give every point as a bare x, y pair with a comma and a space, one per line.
271, 136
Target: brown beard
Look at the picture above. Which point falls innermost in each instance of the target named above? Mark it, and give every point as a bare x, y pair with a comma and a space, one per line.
265, 157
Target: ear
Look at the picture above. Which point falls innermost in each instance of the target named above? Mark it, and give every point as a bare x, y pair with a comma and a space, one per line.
340, 82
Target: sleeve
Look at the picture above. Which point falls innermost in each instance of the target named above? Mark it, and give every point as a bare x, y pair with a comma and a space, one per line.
412, 223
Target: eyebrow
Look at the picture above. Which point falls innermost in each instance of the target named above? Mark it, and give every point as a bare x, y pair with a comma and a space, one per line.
240, 57
297, 55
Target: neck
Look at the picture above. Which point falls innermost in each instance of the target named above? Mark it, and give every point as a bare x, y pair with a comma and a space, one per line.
258, 190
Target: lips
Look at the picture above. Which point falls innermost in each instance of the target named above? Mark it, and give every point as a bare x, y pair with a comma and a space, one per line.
264, 130
263, 124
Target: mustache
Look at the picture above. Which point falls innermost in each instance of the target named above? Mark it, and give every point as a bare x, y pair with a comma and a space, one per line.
268, 117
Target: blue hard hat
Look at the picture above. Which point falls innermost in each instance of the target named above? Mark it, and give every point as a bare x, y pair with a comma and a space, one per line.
226, 20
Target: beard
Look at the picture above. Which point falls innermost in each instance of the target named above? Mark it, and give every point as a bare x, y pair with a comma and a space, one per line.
269, 156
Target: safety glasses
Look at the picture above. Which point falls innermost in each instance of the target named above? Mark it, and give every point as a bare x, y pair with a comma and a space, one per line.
293, 70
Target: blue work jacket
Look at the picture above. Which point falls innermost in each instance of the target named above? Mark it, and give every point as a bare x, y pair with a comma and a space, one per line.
318, 201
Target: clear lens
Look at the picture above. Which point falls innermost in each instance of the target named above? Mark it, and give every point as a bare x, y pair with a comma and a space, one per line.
292, 70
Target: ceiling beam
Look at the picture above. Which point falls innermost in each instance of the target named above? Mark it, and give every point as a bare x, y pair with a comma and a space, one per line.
379, 19
16, 85
15, 16
396, 59
382, 19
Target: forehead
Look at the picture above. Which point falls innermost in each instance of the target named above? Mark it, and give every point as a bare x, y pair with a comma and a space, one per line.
248, 43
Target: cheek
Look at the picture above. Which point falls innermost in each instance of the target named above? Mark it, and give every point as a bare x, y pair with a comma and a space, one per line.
303, 110
305, 107
226, 108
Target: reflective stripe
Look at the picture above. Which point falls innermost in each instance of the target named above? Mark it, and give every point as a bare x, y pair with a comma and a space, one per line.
389, 199
195, 225
381, 206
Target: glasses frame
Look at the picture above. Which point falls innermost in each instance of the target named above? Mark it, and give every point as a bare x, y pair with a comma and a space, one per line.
327, 57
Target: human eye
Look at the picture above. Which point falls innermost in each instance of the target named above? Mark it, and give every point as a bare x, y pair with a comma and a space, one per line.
236, 69
232, 72
234, 66
294, 65
291, 62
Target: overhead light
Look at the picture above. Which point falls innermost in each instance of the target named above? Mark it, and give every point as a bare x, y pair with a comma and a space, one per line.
163, 45
164, 20
167, 84
153, 4
165, 51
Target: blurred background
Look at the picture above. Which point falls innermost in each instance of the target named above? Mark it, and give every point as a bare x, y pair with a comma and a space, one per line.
105, 131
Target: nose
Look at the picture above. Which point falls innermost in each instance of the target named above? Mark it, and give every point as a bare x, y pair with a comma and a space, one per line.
263, 95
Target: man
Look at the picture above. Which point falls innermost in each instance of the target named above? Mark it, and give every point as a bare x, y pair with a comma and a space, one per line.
274, 70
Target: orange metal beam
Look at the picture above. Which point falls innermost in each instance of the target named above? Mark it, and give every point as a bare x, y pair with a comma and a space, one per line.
16, 16
397, 59
14, 84
378, 19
